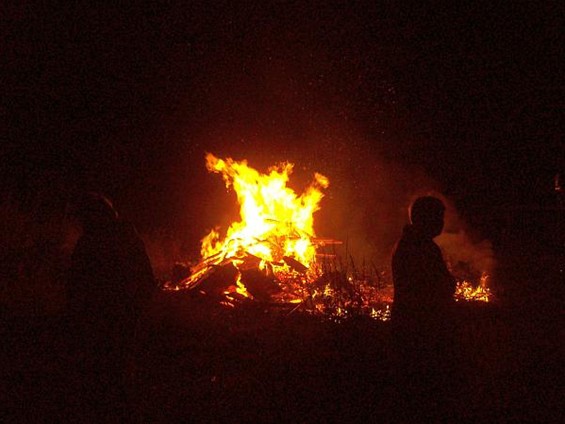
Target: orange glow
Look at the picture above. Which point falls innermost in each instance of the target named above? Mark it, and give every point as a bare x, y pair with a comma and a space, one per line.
276, 229
275, 221
466, 291
275, 234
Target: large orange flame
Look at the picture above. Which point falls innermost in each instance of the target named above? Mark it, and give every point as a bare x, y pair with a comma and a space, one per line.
275, 221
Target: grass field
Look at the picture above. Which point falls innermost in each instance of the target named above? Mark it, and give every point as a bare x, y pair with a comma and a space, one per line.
199, 362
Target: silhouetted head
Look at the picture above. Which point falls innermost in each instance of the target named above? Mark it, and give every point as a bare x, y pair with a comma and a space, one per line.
426, 214
94, 211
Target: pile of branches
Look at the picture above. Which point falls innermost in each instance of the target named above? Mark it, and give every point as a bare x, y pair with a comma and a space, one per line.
329, 289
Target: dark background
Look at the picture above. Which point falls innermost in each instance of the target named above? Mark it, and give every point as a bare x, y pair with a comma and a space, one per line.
388, 99
128, 99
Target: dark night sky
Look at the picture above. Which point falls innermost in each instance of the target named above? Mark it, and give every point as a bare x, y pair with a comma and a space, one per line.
128, 99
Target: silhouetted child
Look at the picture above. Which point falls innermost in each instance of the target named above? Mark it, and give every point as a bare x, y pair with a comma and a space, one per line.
422, 319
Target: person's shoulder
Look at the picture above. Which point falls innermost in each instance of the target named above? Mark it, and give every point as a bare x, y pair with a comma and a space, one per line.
118, 231
128, 234
125, 227
434, 246
409, 238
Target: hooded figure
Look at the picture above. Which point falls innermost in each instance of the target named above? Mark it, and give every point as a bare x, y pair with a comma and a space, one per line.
110, 281
110, 276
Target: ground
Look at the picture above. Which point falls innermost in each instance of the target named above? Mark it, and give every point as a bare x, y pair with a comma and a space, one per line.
200, 362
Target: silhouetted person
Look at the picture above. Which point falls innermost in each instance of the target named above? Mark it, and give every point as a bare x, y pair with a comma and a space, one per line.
423, 300
110, 281
423, 286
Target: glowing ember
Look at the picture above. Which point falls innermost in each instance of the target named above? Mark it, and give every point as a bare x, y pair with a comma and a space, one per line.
466, 291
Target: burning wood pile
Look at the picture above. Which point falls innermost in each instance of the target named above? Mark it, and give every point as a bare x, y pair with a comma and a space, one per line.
465, 290
276, 231
273, 254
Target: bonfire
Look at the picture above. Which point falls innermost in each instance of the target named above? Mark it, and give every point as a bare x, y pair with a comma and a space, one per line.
273, 254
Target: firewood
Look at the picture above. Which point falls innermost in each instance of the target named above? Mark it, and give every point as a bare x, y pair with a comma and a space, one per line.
294, 264
318, 241
259, 284
218, 280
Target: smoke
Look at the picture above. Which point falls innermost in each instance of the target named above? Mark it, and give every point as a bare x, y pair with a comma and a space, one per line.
367, 207
273, 93
468, 254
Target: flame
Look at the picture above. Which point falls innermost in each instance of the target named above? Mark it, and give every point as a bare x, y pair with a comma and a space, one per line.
466, 291
276, 234
275, 221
